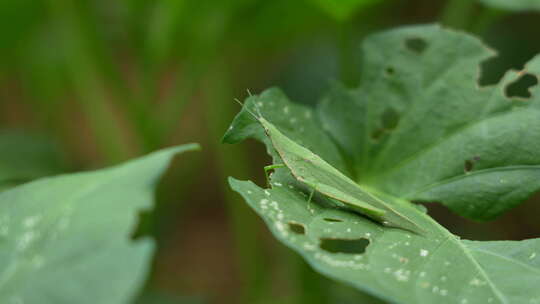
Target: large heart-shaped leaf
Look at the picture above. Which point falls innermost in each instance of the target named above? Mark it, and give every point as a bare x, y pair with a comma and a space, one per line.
67, 239
513, 5
417, 129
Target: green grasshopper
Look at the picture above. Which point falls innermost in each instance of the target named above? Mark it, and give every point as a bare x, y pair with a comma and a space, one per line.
312, 170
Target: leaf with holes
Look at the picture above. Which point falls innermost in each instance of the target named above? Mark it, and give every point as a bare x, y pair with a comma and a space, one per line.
514, 5
417, 129
67, 237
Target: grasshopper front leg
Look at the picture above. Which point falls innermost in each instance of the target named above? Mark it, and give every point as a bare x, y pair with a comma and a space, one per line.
313, 188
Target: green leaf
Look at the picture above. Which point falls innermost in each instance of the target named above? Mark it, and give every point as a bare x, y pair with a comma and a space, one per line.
24, 157
65, 238
417, 129
342, 9
514, 5
396, 265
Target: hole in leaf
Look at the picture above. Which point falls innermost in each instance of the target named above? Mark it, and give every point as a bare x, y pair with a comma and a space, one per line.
333, 220
416, 45
297, 228
352, 246
377, 134
521, 87
390, 119
390, 71
468, 165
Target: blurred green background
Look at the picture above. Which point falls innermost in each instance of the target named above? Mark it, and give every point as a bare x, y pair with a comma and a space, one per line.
86, 84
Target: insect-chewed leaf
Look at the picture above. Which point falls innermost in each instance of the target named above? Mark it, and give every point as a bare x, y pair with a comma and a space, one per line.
472, 149
418, 128
396, 265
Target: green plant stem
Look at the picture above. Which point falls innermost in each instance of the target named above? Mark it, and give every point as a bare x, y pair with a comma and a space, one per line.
458, 13
90, 92
184, 89
153, 41
99, 61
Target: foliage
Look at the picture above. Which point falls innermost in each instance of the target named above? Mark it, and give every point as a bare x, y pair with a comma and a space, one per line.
418, 128
65, 236
112, 80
